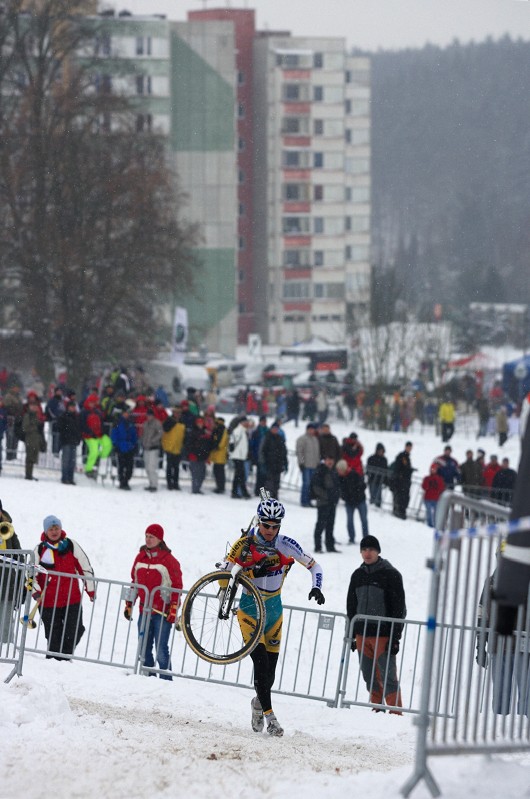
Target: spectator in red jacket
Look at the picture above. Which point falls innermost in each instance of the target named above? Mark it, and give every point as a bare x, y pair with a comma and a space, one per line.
433, 487
490, 470
60, 597
156, 568
352, 452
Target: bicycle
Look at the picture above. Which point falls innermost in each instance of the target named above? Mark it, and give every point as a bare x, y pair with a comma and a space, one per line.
209, 622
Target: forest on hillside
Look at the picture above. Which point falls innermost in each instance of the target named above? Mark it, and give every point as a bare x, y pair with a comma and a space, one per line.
451, 175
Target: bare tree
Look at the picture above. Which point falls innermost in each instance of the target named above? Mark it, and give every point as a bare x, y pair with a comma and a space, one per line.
91, 245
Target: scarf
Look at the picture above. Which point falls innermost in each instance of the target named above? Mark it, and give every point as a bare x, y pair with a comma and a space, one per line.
48, 553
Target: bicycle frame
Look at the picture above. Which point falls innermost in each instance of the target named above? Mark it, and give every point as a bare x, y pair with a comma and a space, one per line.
228, 593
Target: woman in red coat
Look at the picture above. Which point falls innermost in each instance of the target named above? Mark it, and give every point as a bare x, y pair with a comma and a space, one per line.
155, 567
60, 597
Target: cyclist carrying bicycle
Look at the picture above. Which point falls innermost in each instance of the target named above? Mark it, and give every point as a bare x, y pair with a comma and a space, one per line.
271, 555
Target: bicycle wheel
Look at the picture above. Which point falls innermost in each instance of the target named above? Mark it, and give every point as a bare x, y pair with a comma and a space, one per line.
216, 637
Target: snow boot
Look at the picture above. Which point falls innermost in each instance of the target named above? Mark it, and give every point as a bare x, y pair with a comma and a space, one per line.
257, 721
273, 726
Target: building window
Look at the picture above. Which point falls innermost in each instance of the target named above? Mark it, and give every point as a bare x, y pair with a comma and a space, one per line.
241, 209
296, 258
318, 224
360, 252
318, 94
241, 242
360, 136
241, 111
103, 45
143, 45
242, 307
318, 257
241, 144
291, 91
318, 160
295, 125
318, 193
318, 127
348, 136
347, 76
143, 84
360, 224
330, 291
241, 276
240, 78
144, 123
318, 60
296, 159
241, 176
347, 223
296, 290
296, 192
347, 106
294, 225
360, 194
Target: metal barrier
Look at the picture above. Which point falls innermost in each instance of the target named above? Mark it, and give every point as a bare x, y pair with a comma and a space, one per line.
96, 634
355, 690
311, 658
456, 511
14, 600
472, 700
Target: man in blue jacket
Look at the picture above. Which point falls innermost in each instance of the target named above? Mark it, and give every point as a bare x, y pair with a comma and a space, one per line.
125, 440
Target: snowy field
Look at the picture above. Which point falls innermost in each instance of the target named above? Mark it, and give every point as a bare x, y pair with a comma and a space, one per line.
83, 730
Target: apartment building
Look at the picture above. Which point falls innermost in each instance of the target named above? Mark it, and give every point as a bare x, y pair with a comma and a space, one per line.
312, 188
182, 79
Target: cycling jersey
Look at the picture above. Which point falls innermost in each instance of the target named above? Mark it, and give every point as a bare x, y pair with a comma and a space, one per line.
272, 560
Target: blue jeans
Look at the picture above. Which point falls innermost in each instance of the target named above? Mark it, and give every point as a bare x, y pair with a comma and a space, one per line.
507, 669
430, 509
157, 635
198, 473
305, 498
376, 490
68, 452
363, 513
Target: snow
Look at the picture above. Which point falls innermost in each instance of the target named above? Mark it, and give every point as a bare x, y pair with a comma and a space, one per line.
92, 730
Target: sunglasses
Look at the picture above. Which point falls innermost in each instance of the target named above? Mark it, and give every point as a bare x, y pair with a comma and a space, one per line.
268, 526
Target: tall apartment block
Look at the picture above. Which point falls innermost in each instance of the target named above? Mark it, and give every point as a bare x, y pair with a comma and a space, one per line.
182, 78
312, 188
303, 115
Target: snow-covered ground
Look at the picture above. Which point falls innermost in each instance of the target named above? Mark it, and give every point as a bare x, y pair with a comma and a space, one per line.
84, 730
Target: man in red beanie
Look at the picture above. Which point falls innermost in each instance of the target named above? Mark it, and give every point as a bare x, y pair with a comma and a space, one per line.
156, 568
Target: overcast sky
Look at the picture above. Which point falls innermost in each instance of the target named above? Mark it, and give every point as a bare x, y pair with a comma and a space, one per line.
368, 24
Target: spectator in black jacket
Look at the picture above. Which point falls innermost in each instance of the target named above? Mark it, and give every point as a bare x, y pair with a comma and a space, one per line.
325, 489
69, 431
376, 471
503, 484
329, 444
352, 491
55, 408
273, 458
198, 445
401, 480
376, 589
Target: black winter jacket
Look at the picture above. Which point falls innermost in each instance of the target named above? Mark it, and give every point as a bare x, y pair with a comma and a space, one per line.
69, 428
376, 590
352, 488
325, 486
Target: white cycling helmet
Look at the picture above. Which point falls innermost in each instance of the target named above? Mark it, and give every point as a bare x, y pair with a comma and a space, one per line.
270, 509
